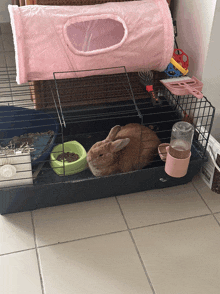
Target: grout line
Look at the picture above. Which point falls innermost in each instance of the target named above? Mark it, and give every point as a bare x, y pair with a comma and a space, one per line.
172, 221
100, 235
137, 251
38, 259
202, 198
61, 243
19, 251
81, 239
216, 219
104, 234
212, 213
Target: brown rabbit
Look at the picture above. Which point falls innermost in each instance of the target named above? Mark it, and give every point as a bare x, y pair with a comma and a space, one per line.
125, 149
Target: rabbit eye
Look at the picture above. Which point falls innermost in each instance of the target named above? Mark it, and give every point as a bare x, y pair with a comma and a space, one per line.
100, 155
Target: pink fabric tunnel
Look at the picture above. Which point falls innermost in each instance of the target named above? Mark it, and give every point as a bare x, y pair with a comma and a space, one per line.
47, 39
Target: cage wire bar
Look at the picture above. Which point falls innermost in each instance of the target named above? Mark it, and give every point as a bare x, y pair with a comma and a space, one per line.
115, 89
200, 113
85, 109
96, 100
26, 135
182, 107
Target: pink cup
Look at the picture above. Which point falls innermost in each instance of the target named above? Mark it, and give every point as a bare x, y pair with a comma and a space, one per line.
174, 167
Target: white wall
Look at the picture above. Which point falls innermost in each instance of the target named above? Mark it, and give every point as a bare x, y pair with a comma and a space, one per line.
4, 16
194, 24
211, 74
198, 24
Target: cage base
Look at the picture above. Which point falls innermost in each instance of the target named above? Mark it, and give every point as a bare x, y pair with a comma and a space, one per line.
50, 189
33, 197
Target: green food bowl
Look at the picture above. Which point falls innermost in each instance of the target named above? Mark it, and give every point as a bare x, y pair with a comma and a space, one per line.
63, 167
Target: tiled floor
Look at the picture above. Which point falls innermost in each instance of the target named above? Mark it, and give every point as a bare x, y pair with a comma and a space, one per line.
163, 241
155, 242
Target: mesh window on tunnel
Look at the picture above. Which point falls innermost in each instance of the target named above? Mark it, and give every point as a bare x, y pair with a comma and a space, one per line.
95, 35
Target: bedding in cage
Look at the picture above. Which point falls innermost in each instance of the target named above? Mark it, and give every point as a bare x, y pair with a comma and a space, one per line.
47, 39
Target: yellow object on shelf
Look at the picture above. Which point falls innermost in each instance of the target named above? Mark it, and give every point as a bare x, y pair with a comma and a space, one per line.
179, 67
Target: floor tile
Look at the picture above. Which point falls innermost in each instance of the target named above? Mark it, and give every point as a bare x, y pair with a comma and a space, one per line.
23, 102
6, 28
19, 273
2, 61
16, 232
106, 264
211, 198
5, 91
20, 92
4, 72
1, 45
5, 101
21, 95
10, 59
162, 205
8, 42
217, 215
78, 220
182, 257
4, 86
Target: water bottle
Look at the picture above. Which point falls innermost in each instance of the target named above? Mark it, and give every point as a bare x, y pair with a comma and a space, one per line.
178, 151
181, 140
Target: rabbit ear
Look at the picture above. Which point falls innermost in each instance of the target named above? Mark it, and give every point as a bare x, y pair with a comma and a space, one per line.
119, 144
113, 132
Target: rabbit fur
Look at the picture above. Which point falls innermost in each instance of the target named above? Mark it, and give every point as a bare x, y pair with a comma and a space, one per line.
127, 148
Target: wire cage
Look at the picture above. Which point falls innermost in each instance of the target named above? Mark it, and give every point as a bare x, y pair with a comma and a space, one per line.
75, 114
